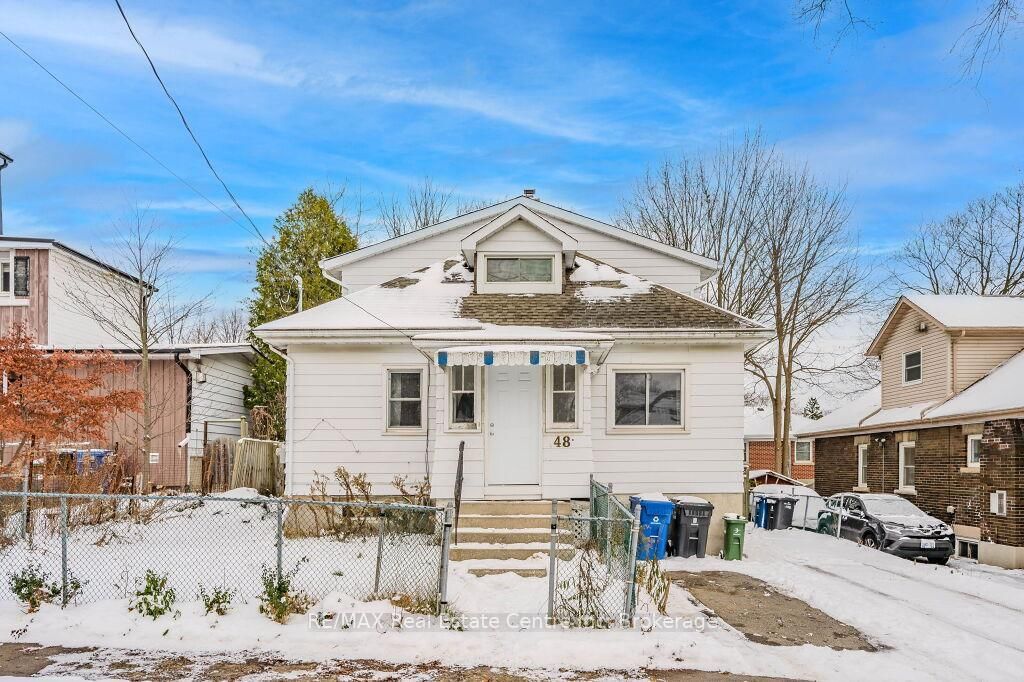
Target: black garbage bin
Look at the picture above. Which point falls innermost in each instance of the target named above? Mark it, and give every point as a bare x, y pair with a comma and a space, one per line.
784, 512
690, 523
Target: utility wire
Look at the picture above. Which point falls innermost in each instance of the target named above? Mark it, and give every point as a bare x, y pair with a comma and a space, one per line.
123, 134
184, 122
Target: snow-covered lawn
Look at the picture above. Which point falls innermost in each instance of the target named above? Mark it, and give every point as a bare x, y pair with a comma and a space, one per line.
929, 622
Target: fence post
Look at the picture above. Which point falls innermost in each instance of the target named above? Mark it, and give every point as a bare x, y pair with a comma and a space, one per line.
446, 542
552, 558
25, 488
807, 503
634, 540
280, 540
839, 522
63, 551
380, 555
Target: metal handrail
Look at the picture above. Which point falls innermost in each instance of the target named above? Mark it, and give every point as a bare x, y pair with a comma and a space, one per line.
458, 489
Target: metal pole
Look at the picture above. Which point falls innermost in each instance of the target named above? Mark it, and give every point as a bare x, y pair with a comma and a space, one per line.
446, 540
24, 499
634, 540
63, 552
807, 503
280, 540
552, 558
380, 556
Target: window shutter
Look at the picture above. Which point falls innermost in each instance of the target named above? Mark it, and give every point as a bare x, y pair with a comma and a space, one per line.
21, 275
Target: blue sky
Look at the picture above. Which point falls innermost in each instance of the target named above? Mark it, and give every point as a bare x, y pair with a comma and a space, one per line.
574, 99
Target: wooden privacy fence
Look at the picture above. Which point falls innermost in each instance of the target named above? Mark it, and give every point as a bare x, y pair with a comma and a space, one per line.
217, 461
258, 465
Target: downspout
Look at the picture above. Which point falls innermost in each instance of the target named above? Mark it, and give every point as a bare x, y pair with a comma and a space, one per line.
289, 454
188, 414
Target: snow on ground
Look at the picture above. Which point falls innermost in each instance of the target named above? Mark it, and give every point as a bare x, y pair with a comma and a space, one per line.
933, 622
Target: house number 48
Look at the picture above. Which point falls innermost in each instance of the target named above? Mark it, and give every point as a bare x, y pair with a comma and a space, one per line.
562, 441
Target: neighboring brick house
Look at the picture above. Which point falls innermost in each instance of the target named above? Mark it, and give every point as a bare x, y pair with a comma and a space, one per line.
759, 443
945, 428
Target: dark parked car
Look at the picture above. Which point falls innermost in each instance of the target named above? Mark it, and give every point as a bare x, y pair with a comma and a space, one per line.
890, 523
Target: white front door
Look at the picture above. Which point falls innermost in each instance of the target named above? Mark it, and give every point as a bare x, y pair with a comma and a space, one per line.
513, 425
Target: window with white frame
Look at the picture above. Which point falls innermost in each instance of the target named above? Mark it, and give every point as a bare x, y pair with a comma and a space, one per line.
974, 450
802, 452
907, 452
648, 398
997, 502
912, 367
405, 399
5, 272
520, 269
562, 403
862, 465
462, 387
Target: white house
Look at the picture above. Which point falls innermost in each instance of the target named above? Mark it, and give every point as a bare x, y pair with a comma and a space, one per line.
549, 345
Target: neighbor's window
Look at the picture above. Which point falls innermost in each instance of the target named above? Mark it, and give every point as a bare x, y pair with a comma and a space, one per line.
5, 275
563, 395
802, 452
907, 451
520, 269
862, 465
974, 450
405, 399
462, 386
912, 367
649, 398
997, 502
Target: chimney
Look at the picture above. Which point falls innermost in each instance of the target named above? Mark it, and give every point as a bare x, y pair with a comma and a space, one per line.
530, 193
5, 161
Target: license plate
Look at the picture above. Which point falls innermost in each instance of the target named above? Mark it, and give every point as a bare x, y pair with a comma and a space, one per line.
927, 544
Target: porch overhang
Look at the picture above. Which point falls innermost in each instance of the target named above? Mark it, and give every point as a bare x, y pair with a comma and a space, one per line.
511, 355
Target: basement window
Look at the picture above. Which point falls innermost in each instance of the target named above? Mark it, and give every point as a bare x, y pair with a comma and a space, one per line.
966, 549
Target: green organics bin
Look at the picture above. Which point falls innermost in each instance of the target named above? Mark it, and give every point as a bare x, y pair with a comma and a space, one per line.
735, 527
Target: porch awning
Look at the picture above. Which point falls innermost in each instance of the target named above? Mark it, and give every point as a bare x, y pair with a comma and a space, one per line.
512, 355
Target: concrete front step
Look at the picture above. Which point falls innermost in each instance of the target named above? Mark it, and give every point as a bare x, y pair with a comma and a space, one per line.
474, 551
512, 507
504, 536
500, 521
524, 572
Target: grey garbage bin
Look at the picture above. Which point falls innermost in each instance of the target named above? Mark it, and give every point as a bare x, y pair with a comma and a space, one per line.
784, 512
690, 523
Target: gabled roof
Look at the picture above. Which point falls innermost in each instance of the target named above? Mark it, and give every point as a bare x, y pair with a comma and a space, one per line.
595, 296
518, 212
11, 242
537, 206
955, 313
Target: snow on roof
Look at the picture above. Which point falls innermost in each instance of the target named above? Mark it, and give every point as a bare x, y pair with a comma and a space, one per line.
848, 416
759, 423
605, 283
997, 392
968, 312
513, 333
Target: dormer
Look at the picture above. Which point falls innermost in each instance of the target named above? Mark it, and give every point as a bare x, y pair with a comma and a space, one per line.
519, 252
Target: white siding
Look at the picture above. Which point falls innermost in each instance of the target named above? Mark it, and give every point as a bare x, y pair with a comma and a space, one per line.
67, 326
638, 260
219, 397
338, 420
518, 237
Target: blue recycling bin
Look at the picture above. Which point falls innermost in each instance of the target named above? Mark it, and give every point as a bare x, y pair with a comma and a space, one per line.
764, 512
655, 519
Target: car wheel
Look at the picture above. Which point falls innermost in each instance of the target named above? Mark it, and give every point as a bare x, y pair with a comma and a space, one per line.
870, 541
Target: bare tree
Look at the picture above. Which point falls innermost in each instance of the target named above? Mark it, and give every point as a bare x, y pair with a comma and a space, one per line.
223, 326
977, 45
979, 250
423, 205
139, 306
786, 255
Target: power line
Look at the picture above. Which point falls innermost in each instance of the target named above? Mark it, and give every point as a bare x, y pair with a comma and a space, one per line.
184, 121
124, 134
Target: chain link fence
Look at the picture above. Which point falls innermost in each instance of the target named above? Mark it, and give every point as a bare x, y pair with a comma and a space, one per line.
592, 563
107, 543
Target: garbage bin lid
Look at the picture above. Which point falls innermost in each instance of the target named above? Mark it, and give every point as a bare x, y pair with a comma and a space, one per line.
690, 499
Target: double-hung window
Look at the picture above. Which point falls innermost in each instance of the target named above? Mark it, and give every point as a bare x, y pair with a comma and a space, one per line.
912, 367
462, 389
974, 450
5, 274
405, 400
562, 402
648, 398
802, 452
862, 465
907, 452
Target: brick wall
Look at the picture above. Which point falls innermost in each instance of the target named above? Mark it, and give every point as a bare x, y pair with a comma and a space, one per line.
762, 456
1002, 468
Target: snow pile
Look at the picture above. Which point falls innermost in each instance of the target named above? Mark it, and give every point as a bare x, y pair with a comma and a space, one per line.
608, 284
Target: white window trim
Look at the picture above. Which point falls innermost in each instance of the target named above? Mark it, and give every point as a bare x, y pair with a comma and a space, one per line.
386, 384
862, 474
552, 287
810, 452
904, 489
903, 367
453, 426
684, 402
549, 399
972, 438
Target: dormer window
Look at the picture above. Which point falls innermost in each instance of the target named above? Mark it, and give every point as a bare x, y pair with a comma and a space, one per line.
525, 269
